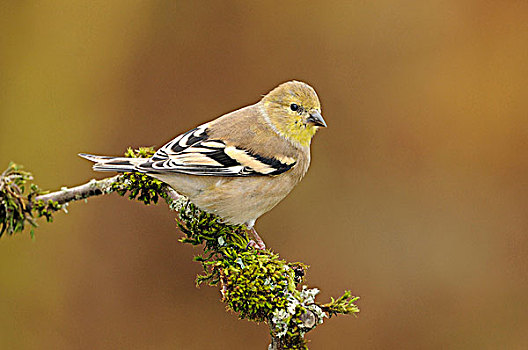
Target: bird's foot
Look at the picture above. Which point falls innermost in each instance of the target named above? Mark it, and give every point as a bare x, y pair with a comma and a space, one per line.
256, 242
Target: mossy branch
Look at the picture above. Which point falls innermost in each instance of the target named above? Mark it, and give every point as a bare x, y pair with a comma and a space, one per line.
255, 284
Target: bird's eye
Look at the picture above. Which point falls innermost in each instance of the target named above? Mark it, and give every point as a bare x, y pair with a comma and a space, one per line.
294, 107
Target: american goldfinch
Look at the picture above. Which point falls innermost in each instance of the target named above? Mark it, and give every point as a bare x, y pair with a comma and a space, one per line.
242, 164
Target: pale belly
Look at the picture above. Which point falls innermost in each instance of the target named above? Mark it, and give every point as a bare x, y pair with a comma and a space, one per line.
238, 200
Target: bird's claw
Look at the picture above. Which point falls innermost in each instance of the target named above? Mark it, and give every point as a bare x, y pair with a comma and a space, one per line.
256, 242
260, 245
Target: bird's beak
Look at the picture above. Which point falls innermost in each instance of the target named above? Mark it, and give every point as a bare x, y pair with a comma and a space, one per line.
316, 119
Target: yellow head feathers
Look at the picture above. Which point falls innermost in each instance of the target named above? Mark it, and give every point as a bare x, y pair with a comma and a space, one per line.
294, 111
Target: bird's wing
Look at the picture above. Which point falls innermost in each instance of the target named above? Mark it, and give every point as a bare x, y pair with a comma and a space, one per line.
195, 153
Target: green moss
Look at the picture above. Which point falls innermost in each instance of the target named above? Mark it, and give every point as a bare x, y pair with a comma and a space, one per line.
256, 284
137, 185
46, 209
204, 228
16, 203
344, 305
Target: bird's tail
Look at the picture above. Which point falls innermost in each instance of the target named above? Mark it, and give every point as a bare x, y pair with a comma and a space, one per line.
118, 164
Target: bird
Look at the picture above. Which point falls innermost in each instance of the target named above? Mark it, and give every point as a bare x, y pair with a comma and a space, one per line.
242, 164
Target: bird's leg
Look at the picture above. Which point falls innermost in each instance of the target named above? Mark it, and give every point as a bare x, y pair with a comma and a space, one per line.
256, 242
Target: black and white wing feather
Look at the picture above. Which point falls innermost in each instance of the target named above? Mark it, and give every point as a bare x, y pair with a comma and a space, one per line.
194, 153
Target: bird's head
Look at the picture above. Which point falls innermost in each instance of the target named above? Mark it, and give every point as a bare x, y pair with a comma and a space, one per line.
294, 111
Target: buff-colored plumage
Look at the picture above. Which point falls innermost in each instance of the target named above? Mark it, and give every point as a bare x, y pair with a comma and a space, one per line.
240, 165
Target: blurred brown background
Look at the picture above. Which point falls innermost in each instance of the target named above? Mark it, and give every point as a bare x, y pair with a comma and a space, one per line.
416, 199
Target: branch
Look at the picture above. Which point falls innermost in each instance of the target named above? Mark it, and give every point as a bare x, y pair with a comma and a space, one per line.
94, 188
255, 284
90, 189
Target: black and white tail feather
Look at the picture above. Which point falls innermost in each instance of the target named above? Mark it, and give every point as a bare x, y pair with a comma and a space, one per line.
116, 164
194, 153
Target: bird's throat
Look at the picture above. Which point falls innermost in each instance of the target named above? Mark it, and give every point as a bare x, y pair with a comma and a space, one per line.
297, 133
